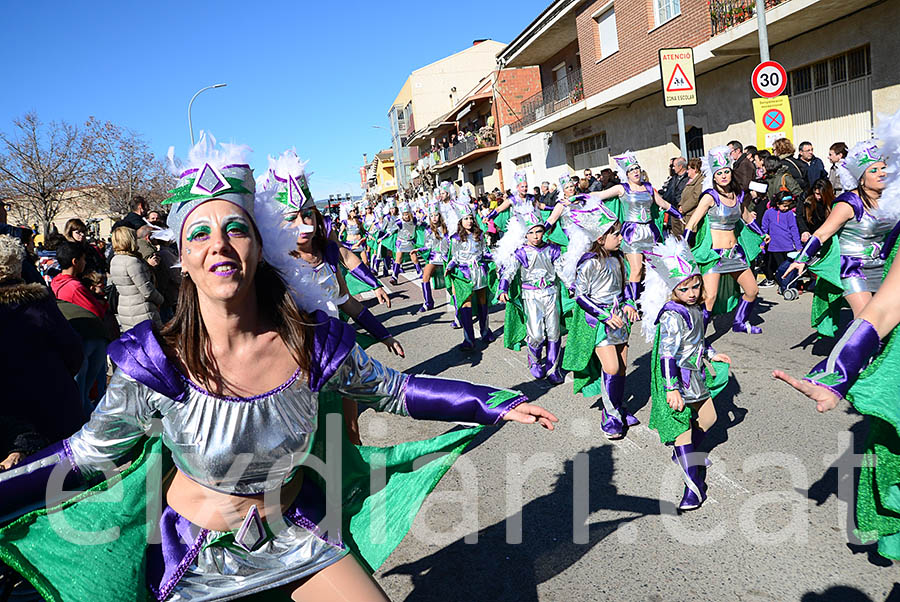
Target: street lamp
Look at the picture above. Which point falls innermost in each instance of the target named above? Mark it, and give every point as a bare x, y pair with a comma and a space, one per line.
190, 124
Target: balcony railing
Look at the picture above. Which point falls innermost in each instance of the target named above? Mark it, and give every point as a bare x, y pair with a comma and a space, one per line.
552, 99
725, 14
485, 138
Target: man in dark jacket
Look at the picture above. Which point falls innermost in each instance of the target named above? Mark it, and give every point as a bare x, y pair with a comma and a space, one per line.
134, 219
815, 169
675, 185
743, 169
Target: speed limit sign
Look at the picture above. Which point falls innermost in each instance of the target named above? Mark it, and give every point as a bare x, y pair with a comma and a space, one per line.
769, 79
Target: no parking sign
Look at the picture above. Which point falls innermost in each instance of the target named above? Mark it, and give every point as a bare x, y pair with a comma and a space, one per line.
773, 120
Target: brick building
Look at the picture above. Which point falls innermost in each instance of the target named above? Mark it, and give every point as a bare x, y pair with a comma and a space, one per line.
600, 89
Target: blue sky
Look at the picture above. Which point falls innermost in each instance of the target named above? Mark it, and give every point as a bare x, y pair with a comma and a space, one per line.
310, 74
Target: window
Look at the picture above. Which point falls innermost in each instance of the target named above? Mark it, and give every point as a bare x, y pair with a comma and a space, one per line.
665, 10
588, 153
522, 162
694, 140
852, 65
608, 35
559, 72
587, 145
477, 178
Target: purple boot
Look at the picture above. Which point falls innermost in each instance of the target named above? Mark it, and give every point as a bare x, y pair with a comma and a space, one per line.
487, 334
535, 363
611, 422
394, 273
428, 303
615, 385
554, 357
464, 315
418, 268
694, 485
742, 318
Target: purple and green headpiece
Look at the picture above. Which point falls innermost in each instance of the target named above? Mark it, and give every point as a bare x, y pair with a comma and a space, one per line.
673, 262
861, 157
596, 221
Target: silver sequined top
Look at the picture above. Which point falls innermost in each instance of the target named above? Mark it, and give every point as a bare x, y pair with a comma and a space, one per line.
687, 346
407, 232
234, 445
353, 230
864, 238
723, 217
470, 252
438, 245
600, 280
327, 278
636, 204
542, 265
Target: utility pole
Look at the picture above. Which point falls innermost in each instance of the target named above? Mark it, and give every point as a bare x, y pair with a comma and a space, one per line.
762, 30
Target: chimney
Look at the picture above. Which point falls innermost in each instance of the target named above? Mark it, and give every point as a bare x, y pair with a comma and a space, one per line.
365, 159
477, 42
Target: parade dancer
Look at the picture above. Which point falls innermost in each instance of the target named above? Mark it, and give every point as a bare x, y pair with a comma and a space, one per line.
597, 346
471, 273
228, 529
390, 226
535, 263
639, 230
569, 199
861, 229
435, 253
724, 238
520, 202
406, 242
682, 410
353, 232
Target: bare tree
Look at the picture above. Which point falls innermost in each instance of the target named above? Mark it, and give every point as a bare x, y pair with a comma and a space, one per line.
43, 167
122, 163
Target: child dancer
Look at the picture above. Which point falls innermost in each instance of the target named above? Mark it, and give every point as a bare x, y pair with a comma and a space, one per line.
435, 253
536, 262
603, 316
470, 275
406, 242
682, 407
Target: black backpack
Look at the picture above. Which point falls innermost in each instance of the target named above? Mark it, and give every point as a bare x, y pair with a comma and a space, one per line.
112, 297
798, 170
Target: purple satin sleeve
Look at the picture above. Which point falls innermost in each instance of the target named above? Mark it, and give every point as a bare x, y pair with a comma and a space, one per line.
754, 227
139, 355
503, 286
671, 375
24, 487
810, 249
452, 265
368, 321
848, 359
365, 275
548, 226
430, 398
674, 212
491, 215
890, 241
593, 312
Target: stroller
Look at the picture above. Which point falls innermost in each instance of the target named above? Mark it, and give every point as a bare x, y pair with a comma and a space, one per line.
789, 287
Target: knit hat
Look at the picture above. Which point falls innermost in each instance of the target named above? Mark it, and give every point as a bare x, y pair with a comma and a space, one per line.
11, 255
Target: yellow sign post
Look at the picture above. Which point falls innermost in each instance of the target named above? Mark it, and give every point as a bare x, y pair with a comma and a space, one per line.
773, 120
676, 66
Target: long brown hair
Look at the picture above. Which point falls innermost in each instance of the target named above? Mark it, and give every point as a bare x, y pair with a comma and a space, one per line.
601, 252
811, 206
441, 229
186, 337
463, 234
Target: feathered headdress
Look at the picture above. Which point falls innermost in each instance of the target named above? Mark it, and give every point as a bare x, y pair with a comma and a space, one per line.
888, 131
588, 224
669, 264
625, 163
858, 159
521, 178
291, 181
211, 171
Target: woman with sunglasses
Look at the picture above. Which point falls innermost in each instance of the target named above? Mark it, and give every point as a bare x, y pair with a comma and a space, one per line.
715, 231
860, 228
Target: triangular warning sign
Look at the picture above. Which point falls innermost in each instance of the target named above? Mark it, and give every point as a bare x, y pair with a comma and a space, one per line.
679, 81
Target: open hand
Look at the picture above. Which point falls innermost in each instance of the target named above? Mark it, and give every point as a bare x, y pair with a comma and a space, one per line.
615, 321
825, 398
11, 460
382, 297
632, 314
528, 413
721, 357
503, 298
799, 267
394, 346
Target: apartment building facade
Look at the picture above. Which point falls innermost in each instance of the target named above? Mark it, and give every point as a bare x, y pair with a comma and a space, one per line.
600, 90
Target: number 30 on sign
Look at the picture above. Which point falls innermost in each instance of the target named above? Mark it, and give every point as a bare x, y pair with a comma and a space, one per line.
769, 79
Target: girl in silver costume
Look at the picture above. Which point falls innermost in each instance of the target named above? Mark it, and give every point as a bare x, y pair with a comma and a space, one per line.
436, 253
353, 232
468, 262
860, 227
599, 291
406, 242
674, 293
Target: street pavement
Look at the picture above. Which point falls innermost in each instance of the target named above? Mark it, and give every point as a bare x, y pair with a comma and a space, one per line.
527, 514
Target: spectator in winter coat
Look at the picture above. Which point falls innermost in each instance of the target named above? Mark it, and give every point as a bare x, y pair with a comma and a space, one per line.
743, 169
67, 286
795, 167
135, 218
41, 356
690, 196
782, 235
778, 178
75, 230
815, 209
836, 154
676, 183
815, 169
138, 298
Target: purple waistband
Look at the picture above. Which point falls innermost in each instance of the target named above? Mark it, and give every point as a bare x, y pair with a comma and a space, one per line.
529, 287
181, 541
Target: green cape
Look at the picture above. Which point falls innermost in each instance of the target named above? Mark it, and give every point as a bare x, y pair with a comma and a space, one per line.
90, 568
579, 357
828, 298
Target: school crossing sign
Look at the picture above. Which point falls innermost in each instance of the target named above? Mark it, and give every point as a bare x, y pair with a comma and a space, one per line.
676, 66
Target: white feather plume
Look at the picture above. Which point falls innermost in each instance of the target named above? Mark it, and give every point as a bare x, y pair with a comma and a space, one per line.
579, 243
279, 241
207, 151
504, 255
656, 290
888, 131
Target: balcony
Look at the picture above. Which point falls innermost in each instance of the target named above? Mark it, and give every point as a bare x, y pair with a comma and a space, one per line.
552, 99
725, 14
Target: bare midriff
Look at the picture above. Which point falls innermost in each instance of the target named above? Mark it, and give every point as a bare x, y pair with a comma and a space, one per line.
723, 239
220, 511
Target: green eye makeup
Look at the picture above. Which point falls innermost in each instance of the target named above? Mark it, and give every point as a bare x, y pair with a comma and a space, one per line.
199, 232
237, 227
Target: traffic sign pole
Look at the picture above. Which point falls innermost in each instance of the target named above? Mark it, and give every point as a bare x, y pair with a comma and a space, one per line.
682, 137
763, 31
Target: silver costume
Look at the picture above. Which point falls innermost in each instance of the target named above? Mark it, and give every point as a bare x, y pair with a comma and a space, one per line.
601, 280
267, 436
724, 218
688, 347
406, 237
639, 234
438, 247
537, 268
861, 242
327, 278
469, 254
